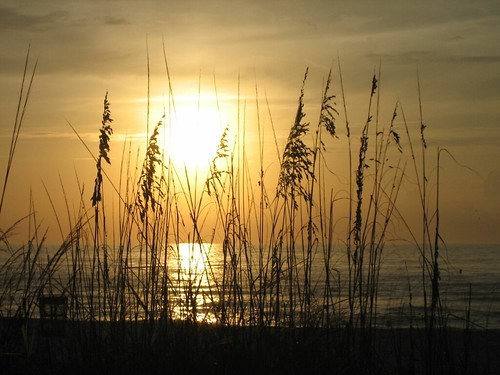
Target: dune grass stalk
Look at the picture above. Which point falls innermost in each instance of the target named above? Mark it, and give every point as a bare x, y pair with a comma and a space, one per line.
100, 268
24, 95
325, 123
295, 167
357, 257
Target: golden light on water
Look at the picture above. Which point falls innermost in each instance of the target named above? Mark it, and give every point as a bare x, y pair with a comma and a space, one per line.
192, 274
192, 258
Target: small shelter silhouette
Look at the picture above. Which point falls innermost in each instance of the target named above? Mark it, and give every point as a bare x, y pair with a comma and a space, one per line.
53, 314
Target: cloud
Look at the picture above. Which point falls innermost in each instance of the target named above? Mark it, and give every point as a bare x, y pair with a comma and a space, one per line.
481, 59
11, 19
113, 20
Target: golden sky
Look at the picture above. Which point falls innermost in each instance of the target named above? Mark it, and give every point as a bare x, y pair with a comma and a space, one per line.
85, 48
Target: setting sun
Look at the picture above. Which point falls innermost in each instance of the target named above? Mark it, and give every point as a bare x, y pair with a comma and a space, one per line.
192, 133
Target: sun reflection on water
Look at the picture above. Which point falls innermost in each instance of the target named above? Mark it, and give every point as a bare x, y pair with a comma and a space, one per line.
192, 257
193, 274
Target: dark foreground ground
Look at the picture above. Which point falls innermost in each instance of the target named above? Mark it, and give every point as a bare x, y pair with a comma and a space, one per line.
46, 347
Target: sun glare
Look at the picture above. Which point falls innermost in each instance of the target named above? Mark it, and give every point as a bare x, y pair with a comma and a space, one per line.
192, 258
193, 133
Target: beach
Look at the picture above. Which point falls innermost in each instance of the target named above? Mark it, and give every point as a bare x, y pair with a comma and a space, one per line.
43, 347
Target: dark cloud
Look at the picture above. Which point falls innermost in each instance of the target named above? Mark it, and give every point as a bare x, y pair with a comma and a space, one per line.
412, 57
11, 19
117, 21
481, 59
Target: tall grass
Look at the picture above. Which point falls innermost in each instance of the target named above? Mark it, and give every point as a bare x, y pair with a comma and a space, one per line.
278, 240
22, 103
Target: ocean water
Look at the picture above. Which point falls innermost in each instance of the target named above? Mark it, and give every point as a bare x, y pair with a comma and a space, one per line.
469, 282
199, 282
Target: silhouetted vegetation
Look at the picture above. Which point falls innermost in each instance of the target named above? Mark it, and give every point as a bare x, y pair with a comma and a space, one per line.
274, 301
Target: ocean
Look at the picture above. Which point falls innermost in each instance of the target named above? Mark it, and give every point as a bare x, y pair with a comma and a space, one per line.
469, 281
195, 282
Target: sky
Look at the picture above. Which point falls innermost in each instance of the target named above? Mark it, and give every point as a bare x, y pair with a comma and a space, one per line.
87, 48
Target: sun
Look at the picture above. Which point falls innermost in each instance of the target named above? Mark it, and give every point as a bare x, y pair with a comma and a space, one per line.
192, 133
